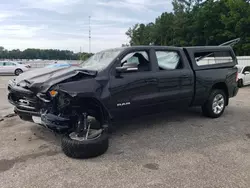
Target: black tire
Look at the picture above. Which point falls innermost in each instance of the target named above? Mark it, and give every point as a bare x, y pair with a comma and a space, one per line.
18, 72
207, 107
240, 83
86, 148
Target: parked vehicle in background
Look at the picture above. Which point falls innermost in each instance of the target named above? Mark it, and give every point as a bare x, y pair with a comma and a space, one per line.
121, 83
58, 65
243, 75
10, 67
22, 63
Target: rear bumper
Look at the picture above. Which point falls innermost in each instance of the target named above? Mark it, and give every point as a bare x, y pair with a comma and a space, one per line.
233, 92
51, 121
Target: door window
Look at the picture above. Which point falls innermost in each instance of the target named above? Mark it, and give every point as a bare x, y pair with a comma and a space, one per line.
9, 64
168, 60
211, 58
246, 69
138, 59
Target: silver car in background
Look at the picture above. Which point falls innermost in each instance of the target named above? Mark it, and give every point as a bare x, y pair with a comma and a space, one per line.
10, 67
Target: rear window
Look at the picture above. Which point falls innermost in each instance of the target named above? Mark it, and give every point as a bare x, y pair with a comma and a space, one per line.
211, 58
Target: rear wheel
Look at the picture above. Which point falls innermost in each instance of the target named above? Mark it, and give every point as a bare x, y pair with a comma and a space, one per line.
18, 72
215, 104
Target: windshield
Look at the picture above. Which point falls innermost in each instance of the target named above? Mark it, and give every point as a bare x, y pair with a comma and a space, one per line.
101, 60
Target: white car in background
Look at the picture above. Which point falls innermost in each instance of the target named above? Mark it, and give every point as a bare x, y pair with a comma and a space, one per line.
10, 67
243, 75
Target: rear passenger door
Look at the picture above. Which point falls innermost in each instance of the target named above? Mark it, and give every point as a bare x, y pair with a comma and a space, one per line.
175, 78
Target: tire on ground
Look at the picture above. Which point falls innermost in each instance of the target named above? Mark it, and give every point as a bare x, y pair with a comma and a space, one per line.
18, 71
207, 107
86, 148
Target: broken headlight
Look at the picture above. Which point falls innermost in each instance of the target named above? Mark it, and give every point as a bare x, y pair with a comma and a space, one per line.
53, 93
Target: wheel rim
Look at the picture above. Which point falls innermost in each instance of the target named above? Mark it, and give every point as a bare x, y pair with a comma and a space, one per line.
92, 134
18, 72
218, 104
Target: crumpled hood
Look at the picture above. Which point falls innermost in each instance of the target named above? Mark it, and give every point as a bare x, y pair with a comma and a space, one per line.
42, 79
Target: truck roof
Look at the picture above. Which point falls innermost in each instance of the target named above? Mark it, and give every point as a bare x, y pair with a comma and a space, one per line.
175, 47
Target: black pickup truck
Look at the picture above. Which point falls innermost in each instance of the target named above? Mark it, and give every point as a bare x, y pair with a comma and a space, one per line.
81, 102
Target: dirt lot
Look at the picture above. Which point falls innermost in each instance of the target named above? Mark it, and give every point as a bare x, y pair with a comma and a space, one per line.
174, 149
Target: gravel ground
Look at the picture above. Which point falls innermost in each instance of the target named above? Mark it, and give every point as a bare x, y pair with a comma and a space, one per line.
173, 149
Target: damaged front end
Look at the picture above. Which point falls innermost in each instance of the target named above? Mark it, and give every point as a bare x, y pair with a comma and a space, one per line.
69, 111
38, 97
59, 116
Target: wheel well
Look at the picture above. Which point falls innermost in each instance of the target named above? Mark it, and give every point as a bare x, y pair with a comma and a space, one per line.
95, 107
222, 86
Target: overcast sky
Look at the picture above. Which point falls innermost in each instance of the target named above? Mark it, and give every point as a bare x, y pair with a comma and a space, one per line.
63, 24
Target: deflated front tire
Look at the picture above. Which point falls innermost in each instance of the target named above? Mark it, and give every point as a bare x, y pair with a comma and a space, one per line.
85, 148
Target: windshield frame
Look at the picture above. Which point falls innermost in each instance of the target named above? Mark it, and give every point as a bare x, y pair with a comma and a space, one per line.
106, 65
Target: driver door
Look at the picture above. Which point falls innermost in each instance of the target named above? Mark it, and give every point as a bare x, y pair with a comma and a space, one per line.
132, 93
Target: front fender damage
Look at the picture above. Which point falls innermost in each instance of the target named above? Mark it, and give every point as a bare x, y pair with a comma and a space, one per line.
74, 99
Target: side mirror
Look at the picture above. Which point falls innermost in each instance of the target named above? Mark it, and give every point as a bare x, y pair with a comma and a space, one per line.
124, 69
247, 72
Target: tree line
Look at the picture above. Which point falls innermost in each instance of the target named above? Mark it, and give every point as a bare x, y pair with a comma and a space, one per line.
47, 54
197, 23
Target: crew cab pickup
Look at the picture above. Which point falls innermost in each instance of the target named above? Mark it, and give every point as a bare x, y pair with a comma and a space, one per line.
120, 83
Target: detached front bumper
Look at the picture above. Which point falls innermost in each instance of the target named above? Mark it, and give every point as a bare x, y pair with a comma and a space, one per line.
56, 123
34, 108
25, 101
26, 112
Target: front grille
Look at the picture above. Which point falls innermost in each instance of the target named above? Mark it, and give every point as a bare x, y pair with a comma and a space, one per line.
23, 101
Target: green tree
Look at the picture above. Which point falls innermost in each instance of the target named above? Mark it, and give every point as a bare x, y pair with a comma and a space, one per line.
197, 22
49, 54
